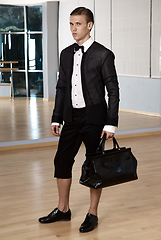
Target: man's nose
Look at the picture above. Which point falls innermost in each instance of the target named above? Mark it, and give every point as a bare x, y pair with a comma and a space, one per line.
74, 28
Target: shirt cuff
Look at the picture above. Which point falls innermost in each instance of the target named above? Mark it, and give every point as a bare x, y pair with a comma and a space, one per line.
55, 123
109, 128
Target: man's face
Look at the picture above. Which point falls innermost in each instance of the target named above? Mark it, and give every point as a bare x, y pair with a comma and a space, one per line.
79, 28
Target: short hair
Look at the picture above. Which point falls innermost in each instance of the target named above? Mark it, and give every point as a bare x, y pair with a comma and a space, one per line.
84, 11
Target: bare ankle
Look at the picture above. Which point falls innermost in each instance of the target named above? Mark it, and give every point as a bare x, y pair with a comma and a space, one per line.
93, 212
63, 209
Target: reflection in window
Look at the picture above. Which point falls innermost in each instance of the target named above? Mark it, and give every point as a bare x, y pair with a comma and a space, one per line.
12, 49
19, 84
35, 51
11, 18
34, 119
32, 62
5, 77
34, 22
35, 84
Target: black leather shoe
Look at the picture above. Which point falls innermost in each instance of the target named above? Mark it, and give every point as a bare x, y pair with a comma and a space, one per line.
89, 223
56, 215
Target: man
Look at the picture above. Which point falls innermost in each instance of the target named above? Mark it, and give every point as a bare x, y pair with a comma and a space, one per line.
86, 68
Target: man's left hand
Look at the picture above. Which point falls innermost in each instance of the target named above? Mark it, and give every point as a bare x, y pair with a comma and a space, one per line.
108, 134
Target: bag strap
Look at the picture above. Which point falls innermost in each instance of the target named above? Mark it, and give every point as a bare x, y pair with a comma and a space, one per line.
115, 143
102, 144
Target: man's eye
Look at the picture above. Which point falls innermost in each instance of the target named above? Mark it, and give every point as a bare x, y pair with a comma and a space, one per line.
78, 23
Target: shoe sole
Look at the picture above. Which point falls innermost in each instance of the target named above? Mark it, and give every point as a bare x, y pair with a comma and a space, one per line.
83, 231
62, 220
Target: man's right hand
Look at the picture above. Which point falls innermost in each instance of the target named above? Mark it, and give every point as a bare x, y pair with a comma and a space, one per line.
55, 130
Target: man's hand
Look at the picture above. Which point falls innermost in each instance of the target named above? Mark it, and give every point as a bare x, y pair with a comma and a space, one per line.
55, 130
108, 134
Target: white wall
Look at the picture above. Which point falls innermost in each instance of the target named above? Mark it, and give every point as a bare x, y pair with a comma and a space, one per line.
102, 22
140, 94
50, 48
5, 89
131, 36
156, 39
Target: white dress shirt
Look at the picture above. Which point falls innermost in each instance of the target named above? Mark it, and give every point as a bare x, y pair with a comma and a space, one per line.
77, 92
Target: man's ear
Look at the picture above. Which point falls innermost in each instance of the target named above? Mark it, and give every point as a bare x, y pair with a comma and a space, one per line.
90, 25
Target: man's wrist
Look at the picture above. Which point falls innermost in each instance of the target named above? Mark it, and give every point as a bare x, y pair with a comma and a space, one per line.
55, 124
109, 128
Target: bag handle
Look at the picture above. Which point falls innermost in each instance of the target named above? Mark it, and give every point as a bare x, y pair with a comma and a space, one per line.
115, 143
102, 144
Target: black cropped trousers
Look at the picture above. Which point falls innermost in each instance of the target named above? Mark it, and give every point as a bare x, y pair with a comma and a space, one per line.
71, 138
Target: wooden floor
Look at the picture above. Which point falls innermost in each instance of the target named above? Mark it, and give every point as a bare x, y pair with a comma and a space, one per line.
27, 119
130, 211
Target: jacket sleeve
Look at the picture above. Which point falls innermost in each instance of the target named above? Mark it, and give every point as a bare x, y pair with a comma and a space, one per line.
60, 94
110, 80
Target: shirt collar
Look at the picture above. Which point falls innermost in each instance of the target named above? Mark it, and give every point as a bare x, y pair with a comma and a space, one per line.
87, 44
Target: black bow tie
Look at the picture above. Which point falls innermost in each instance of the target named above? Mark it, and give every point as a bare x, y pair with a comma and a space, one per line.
77, 47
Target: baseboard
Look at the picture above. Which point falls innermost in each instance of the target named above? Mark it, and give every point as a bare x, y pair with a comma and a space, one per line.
55, 143
3, 98
140, 112
49, 100
136, 135
29, 146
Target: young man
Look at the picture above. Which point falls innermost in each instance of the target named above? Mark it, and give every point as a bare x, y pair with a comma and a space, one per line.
86, 68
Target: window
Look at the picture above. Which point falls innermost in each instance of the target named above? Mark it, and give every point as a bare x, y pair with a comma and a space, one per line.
16, 44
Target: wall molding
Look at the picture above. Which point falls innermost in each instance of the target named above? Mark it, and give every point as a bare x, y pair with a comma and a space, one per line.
140, 112
1, 98
49, 100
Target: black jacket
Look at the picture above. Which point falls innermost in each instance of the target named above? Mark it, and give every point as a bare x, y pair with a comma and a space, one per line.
97, 71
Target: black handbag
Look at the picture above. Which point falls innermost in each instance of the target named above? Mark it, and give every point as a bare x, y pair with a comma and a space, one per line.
109, 167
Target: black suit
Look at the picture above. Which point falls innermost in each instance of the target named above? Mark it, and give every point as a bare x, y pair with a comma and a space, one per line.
97, 71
